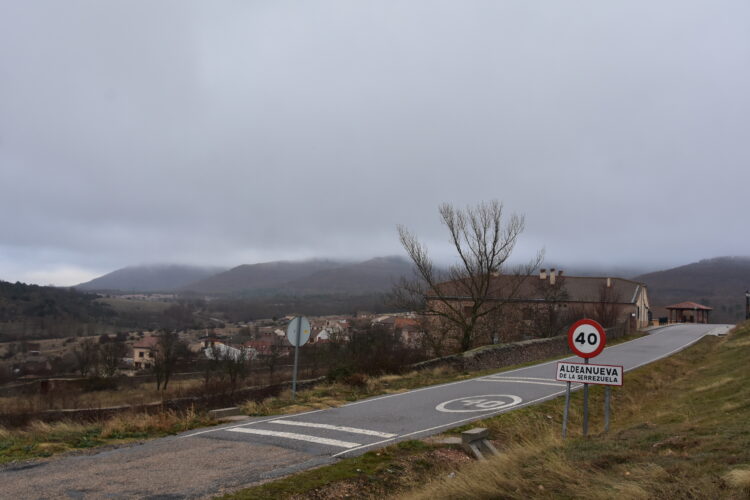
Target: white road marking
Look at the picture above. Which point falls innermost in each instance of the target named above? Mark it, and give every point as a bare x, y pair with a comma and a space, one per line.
352, 430
500, 375
298, 437
527, 403
243, 424
483, 402
454, 423
516, 370
516, 381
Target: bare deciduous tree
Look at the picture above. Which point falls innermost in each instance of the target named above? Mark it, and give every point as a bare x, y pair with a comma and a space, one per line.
552, 316
607, 310
466, 293
110, 356
87, 357
167, 354
236, 364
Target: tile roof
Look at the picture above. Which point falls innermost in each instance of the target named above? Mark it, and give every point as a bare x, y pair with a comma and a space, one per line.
690, 305
147, 343
534, 289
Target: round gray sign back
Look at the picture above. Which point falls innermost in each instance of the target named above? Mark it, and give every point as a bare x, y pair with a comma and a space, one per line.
304, 331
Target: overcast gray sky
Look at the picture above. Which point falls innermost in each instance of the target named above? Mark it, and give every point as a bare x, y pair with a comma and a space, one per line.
235, 132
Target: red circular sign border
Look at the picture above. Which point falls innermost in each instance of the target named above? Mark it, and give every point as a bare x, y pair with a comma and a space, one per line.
598, 327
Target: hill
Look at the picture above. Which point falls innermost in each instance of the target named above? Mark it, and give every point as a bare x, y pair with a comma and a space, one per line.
371, 276
150, 278
266, 277
719, 283
312, 277
32, 311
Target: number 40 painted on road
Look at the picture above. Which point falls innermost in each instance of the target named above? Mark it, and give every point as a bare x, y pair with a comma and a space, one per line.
586, 338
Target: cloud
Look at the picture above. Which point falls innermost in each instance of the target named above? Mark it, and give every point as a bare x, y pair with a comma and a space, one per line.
226, 132
62, 276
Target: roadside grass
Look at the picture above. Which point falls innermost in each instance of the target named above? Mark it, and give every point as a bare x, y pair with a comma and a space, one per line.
143, 393
372, 475
678, 430
40, 439
357, 386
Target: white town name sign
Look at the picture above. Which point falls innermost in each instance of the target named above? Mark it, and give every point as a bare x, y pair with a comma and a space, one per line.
589, 374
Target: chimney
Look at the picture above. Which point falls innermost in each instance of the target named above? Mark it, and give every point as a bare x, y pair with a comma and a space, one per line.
609, 282
542, 274
552, 276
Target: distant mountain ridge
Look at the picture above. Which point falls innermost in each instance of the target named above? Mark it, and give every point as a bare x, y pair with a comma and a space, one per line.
309, 277
719, 283
149, 278
306, 277
265, 276
374, 275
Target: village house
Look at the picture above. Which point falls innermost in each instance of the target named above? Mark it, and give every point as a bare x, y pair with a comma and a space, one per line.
554, 297
409, 330
144, 352
268, 345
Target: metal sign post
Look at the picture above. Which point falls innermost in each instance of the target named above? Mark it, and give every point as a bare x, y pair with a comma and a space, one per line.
298, 333
607, 394
567, 410
587, 339
586, 405
296, 357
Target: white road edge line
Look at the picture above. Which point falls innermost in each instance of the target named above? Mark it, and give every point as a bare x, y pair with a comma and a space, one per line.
351, 430
520, 381
565, 358
464, 381
500, 375
543, 398
299, 437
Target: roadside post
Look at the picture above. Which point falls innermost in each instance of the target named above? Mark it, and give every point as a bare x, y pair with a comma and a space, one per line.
586, 338
298, 333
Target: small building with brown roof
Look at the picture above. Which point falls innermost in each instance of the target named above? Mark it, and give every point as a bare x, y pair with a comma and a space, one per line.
144, 352
688, 312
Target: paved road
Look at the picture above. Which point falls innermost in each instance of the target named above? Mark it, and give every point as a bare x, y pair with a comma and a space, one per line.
203, 463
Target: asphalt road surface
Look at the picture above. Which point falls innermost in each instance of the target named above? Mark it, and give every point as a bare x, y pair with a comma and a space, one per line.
204, 463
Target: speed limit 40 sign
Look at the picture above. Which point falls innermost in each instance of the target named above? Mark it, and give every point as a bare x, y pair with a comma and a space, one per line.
586, 338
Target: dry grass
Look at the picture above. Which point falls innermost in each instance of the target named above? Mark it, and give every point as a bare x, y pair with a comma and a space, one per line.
739, 479
672, 438
41, 439
679, 430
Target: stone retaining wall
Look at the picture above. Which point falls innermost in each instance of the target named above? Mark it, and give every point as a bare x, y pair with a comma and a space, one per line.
502, 355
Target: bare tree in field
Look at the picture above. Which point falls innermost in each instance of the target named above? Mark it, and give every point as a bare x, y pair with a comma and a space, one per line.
110, 355
87, 357
236, 364
165, 360
466, 293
